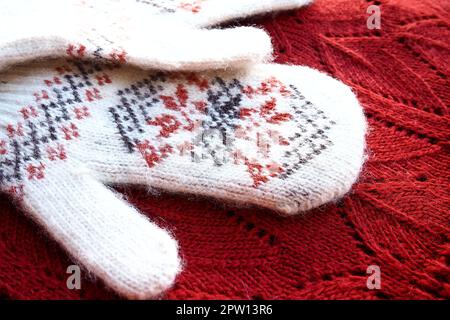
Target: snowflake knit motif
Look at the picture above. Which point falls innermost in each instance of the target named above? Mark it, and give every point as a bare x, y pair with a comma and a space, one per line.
227, 121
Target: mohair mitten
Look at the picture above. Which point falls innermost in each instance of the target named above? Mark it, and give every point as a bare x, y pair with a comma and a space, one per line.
287, 138
164, 34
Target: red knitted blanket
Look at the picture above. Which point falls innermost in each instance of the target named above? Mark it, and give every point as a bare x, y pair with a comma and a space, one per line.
396, 217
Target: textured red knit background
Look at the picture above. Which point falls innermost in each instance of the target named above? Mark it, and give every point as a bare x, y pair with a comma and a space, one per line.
396, 217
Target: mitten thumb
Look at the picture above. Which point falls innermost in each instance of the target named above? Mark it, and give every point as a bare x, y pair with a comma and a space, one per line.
107, 236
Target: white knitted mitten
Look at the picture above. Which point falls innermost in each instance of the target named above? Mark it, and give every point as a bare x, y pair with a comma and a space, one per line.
286, 138
161, 34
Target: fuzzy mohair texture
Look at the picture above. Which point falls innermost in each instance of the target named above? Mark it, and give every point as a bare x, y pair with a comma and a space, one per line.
159, 34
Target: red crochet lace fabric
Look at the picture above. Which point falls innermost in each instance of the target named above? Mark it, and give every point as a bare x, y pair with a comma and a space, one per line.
397, 216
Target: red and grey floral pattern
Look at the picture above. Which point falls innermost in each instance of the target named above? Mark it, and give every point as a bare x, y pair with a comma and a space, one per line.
222, 121
42, 129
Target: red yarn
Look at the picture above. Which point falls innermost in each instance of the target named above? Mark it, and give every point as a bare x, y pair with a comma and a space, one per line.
397, 216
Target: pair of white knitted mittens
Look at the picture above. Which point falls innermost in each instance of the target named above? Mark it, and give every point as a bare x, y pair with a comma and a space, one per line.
287, 138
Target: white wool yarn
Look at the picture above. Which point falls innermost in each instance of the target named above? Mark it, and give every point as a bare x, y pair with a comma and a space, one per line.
287, 138
164, 34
